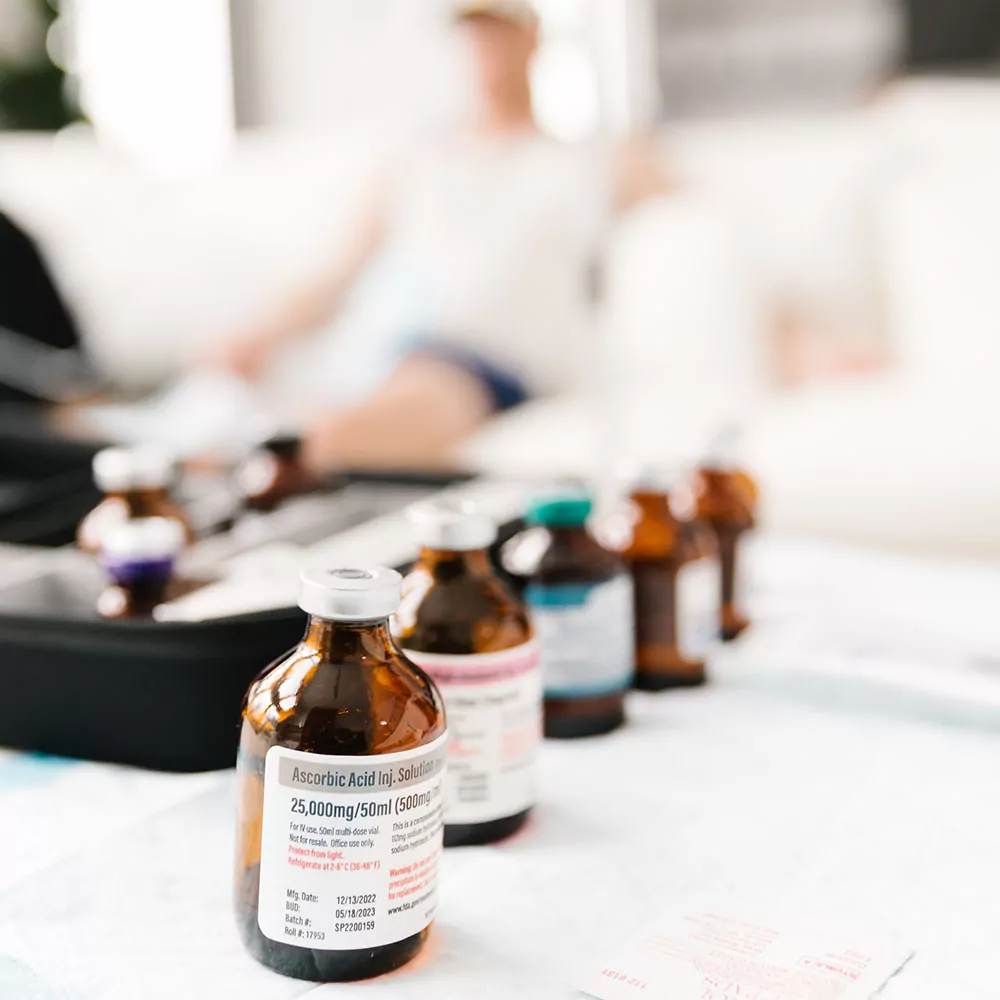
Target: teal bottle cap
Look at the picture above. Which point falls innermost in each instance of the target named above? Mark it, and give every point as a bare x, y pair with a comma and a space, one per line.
560, 511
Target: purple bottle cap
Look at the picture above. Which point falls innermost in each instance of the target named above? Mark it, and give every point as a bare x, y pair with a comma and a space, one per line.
142, 548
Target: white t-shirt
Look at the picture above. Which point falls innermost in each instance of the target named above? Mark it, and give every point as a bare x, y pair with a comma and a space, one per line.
500, 234
490, 246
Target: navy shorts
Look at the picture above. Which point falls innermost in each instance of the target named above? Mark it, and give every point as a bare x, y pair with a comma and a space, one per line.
504, 388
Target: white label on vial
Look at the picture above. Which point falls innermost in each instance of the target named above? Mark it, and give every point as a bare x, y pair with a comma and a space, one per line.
494, 705
350, 846
587, 636
699, 605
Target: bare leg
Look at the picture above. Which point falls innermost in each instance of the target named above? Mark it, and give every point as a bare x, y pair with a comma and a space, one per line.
801, 355
419, 416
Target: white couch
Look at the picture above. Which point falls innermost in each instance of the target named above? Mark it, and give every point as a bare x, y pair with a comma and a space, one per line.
886, 220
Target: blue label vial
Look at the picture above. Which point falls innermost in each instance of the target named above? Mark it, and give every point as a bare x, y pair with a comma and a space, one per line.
580, 598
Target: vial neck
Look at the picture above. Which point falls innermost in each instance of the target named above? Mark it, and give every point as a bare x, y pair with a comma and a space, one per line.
145, 584
141, 502
444, 565
716, 475
567, 534
145, 595
654, 506
338, 640
285, 451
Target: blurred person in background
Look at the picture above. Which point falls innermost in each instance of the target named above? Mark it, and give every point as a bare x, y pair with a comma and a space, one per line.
501, 228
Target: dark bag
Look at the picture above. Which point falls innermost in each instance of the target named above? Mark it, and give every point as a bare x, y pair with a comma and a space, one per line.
951, 35
32, 314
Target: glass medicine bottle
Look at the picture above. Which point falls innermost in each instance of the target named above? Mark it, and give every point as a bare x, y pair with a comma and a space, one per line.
580, 598
461, 624
340, 775
660, 551
274, 472
136, 484
138, 557
726, 500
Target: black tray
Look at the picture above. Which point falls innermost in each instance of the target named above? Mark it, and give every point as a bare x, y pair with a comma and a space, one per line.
157, 695
161, 695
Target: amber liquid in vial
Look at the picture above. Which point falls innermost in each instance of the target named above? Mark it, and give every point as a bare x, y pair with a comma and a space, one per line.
346, 690
455, 605
659, 548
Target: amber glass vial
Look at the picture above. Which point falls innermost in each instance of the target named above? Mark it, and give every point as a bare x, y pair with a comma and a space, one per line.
139, 557
579, 595
461, 624
340, 775
275, 472
659, 548
726, 501
136, 484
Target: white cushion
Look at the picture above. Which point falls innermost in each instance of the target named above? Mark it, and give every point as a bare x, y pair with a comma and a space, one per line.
940, 236
884, 461
154, 267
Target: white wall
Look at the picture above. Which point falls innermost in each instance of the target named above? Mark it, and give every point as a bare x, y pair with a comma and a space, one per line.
382, 64
393, 65
155, 77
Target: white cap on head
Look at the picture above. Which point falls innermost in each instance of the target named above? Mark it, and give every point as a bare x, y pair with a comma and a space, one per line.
144, 538
451, 526
518, 11
351, 593
144, 468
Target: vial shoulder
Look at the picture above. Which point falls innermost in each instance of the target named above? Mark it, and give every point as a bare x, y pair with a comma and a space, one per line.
306, 701
587, 562
541, 556
479, 616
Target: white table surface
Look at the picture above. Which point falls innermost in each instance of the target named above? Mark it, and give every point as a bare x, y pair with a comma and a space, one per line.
115, 883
